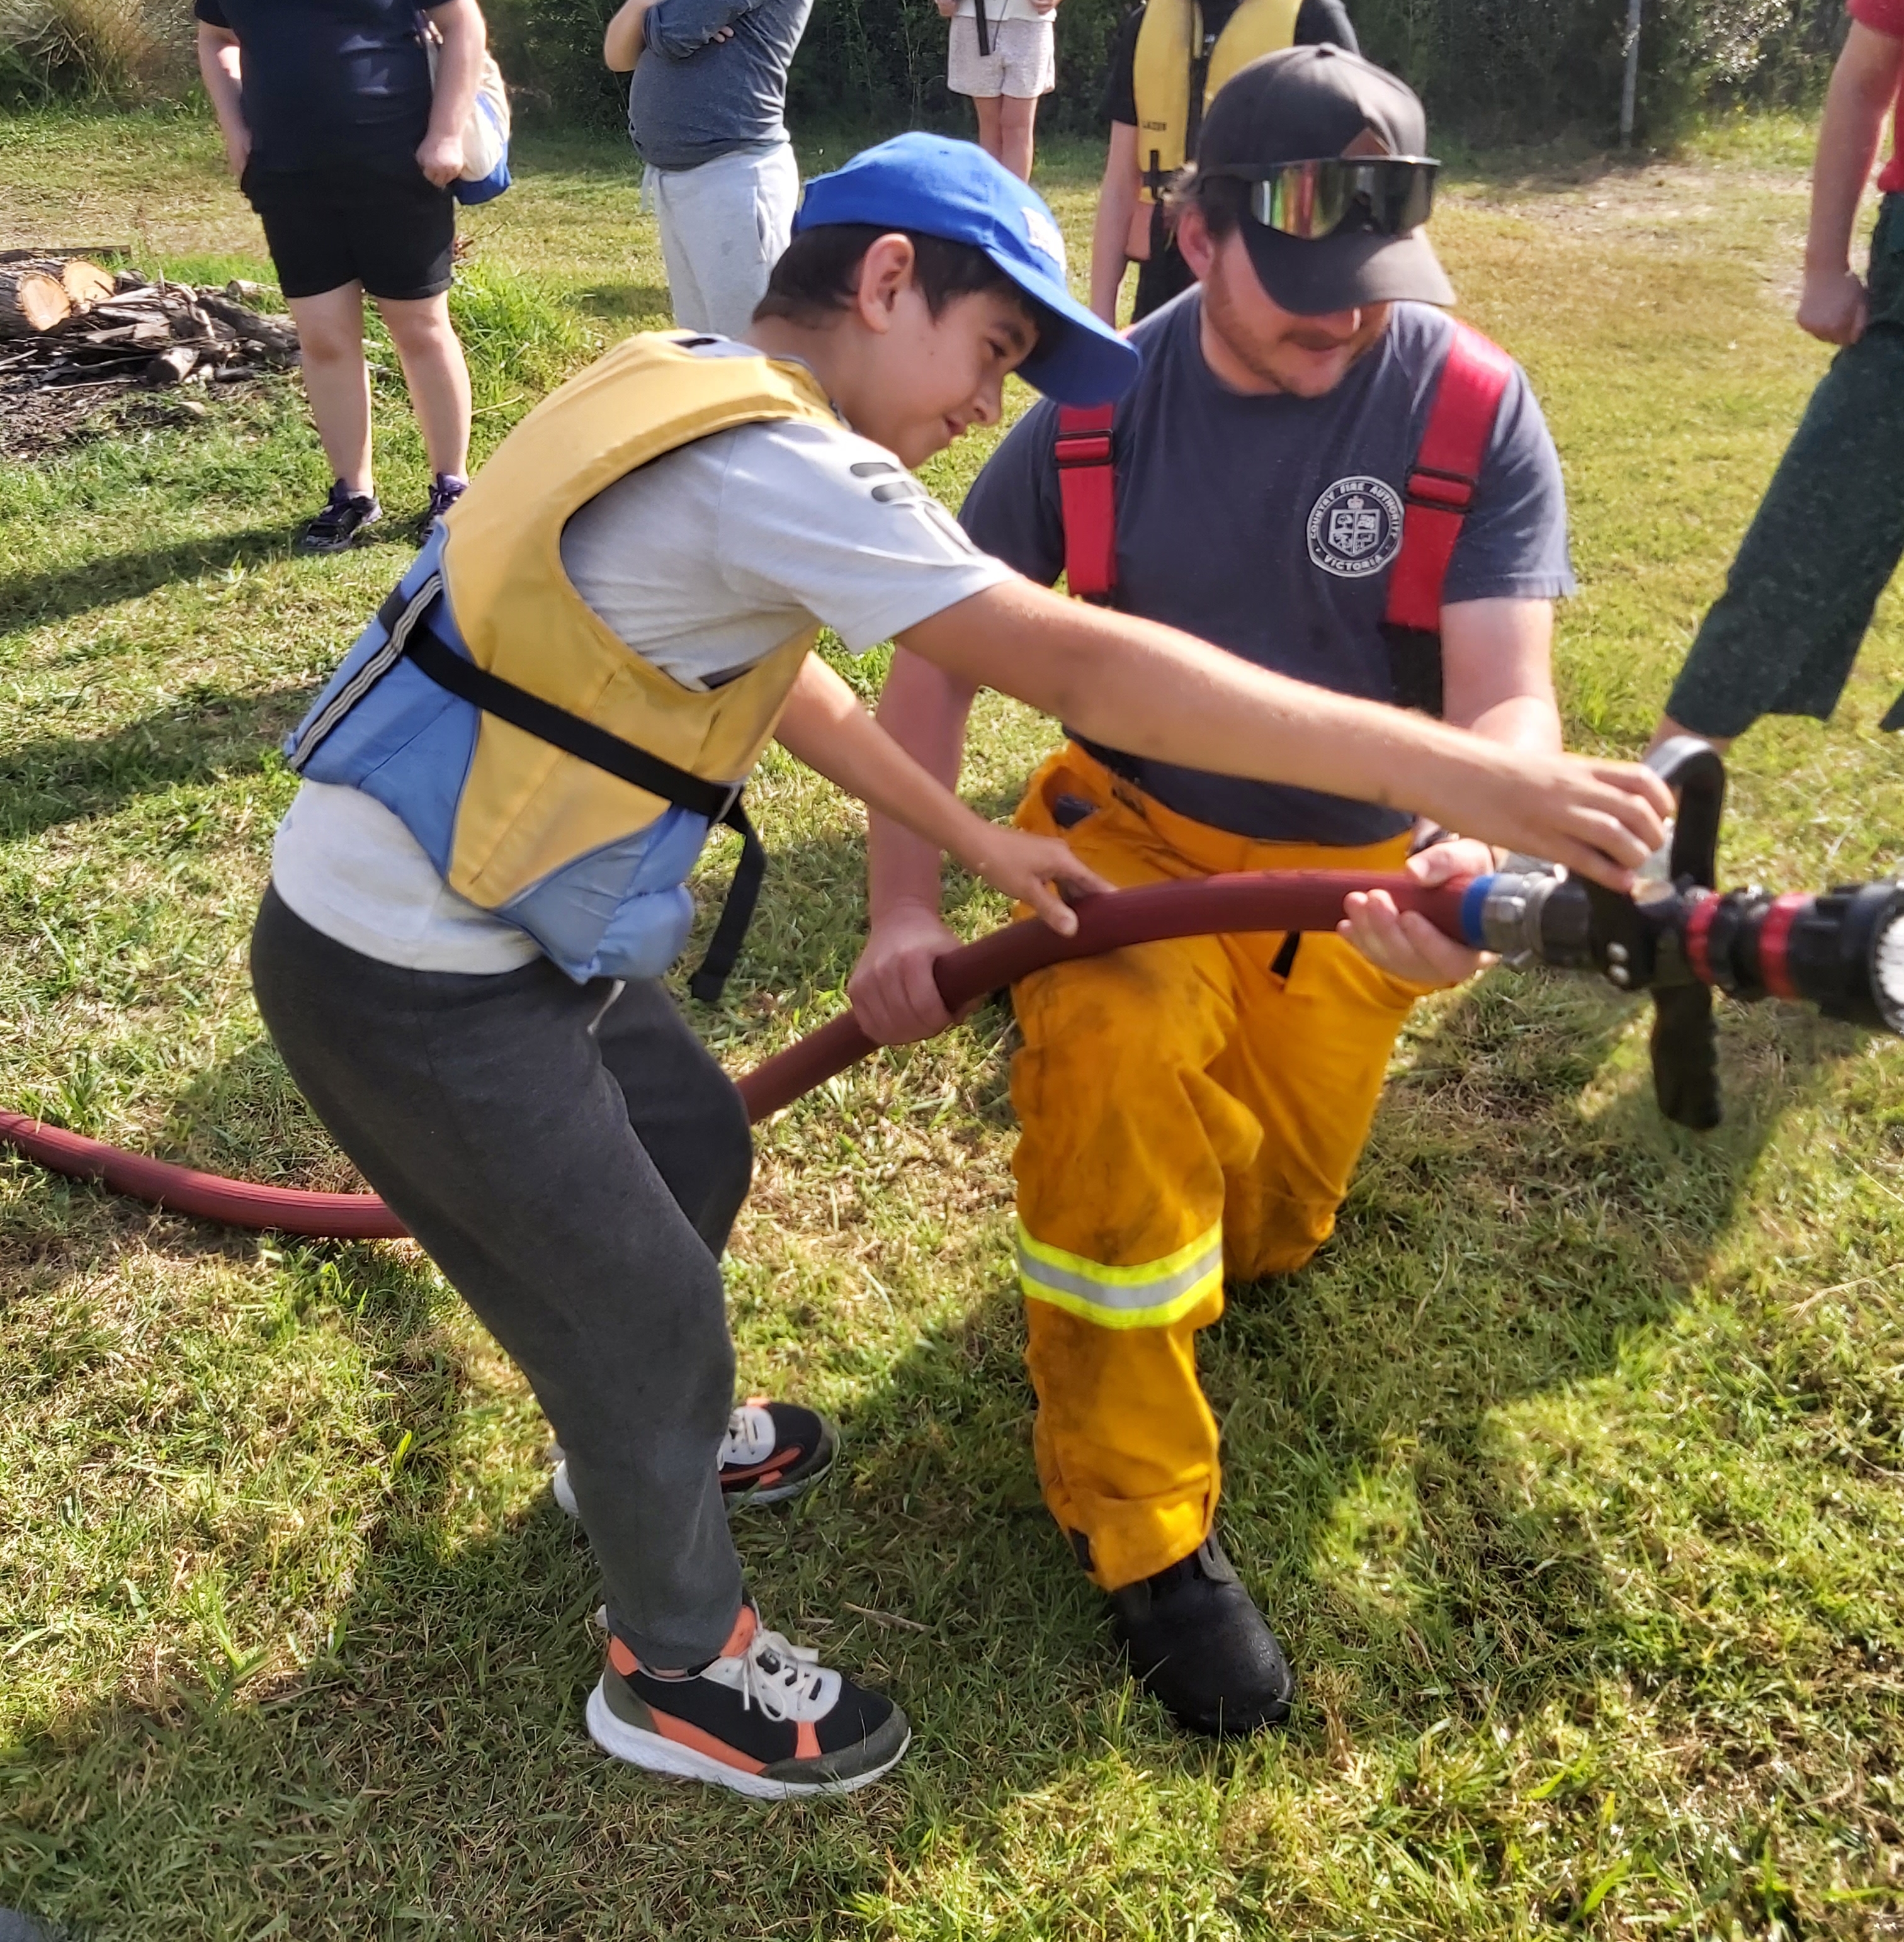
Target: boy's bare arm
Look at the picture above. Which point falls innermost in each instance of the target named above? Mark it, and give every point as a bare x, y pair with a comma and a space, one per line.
825, 727
1160, 693
1833, 305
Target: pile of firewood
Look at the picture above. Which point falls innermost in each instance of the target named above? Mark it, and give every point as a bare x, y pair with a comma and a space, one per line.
65, 321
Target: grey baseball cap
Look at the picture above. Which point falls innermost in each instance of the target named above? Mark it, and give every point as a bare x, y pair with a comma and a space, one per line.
1307, 104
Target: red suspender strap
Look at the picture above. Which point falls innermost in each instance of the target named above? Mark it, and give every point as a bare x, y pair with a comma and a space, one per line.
1446, 470
1088, 497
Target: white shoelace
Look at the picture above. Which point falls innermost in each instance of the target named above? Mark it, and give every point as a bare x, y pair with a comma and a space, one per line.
750, 1436
786, 1681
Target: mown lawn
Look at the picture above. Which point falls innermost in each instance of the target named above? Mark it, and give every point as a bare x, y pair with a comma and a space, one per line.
1571, 1472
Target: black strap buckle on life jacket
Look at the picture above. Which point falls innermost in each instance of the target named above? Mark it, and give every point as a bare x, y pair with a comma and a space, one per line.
718, 802
1440, 488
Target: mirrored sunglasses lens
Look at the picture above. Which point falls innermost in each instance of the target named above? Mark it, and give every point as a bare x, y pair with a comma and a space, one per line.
1311, 200
1400, 194
1306, 200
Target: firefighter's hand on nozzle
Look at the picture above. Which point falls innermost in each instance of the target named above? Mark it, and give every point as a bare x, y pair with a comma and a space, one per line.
1404, 943
1601, 819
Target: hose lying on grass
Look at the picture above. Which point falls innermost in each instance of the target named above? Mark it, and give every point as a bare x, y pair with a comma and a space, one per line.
1299, 900
1841, 950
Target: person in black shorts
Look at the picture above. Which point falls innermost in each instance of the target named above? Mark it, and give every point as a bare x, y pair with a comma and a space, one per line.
1131, 226
346, 151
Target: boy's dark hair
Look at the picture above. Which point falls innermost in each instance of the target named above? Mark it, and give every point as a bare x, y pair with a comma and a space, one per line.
1223, 201
819, 272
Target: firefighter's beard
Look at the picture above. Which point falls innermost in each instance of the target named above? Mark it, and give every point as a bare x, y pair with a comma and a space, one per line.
1307, 357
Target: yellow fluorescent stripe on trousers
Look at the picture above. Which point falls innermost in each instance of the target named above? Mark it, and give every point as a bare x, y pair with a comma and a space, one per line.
1151, 1295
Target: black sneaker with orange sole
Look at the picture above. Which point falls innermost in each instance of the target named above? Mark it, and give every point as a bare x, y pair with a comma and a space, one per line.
771, 1451
764, 1718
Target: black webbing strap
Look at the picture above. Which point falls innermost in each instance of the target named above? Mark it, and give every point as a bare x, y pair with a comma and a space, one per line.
1415, 667
720, 802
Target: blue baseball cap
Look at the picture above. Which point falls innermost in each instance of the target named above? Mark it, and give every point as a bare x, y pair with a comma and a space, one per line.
939, 187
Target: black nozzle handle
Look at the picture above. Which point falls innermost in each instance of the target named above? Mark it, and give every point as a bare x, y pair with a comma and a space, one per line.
1686, 1056
1697, 770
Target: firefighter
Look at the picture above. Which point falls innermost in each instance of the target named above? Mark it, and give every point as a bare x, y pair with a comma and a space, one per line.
1320, 470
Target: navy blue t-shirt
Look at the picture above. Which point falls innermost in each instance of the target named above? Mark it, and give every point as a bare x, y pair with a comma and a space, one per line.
1267, 526
327, 82
695, 97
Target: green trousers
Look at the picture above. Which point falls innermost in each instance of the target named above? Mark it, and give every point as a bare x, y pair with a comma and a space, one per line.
1826, 538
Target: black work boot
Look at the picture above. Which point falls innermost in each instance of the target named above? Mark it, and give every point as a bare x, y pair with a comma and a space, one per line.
1196, 1639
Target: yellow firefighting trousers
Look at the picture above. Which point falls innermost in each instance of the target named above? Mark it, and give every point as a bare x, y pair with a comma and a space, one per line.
1185, 1112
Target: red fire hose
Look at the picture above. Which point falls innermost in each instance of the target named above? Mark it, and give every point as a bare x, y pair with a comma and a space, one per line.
1200, 907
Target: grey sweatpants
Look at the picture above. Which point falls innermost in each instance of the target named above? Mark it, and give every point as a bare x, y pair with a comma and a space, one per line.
572, 1160
723, 226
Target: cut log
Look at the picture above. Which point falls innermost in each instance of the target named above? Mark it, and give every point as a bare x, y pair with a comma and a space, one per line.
86, 283
172, 366
276, 334
31, 301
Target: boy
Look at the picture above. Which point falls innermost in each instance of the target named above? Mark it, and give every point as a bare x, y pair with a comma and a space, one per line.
454, 897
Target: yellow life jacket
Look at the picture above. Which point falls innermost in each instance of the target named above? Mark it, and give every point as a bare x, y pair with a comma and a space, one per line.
587, 862
1169, 53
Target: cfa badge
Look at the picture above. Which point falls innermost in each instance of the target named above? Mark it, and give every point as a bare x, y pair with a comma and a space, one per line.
1355, 528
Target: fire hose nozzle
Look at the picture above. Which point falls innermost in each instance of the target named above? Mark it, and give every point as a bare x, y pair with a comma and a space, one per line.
1863, 978
1530, 913
1842, 950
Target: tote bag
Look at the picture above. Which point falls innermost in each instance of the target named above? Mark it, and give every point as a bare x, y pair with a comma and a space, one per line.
485, 134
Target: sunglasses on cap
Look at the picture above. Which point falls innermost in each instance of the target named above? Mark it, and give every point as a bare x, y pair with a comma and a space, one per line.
1387, 195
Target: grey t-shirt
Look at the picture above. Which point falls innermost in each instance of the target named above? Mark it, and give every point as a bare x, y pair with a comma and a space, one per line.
694, 98
1266, 525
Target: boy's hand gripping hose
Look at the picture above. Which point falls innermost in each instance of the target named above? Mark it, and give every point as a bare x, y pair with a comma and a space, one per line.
1843, 951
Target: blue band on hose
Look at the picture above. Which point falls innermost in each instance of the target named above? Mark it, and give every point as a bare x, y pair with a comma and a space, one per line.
1472, 899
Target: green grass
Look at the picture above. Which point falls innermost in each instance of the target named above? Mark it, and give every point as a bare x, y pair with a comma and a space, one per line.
1571, 1472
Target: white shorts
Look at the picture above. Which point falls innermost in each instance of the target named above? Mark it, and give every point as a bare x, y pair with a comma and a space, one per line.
1022, 63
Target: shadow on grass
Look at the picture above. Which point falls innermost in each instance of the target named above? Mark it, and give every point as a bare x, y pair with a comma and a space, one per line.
645, 306
35, 600
429, 1777
205, 733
